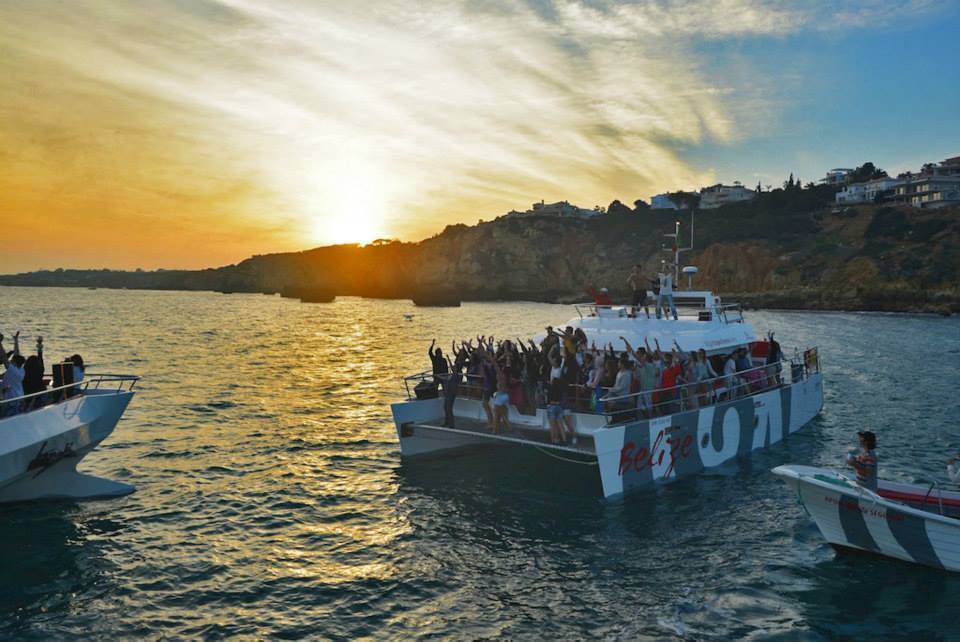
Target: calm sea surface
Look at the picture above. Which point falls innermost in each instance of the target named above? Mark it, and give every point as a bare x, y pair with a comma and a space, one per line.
272, 502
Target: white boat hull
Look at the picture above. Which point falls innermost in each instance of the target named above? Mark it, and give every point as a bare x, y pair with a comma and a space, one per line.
849, 516
640, 453
39, 450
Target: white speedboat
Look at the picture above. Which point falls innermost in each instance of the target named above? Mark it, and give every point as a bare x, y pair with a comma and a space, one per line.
41, 446
910, 522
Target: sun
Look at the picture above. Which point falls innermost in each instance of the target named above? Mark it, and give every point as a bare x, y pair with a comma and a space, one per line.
352, 206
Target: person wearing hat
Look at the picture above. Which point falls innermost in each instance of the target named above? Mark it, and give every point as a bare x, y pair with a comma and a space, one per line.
601, 297
865, 463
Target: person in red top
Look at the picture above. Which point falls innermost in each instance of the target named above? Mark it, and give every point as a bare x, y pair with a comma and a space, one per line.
599, 298
672, 369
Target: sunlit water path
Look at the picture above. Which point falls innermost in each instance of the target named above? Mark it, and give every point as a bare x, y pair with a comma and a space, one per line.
272, 501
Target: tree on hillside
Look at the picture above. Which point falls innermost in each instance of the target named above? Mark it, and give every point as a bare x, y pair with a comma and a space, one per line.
759, 187
599, 209
616, 207
867, 172
788, 184
640, 205
684, 200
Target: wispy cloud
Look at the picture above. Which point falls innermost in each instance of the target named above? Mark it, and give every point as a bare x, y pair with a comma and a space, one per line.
244, 125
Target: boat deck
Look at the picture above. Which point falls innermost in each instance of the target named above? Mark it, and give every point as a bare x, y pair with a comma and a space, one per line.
518, 434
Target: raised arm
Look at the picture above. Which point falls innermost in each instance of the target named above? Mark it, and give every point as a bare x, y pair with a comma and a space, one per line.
430, 349
16, 343
630, 349
4, 359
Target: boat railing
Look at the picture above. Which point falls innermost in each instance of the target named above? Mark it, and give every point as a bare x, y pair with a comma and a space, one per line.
689, 396
115, 383
724, 312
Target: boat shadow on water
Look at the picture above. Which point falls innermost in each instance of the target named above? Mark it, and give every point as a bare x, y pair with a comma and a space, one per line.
869, 595
487, 484
60, 558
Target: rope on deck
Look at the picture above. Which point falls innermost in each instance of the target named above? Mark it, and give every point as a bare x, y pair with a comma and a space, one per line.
567, 459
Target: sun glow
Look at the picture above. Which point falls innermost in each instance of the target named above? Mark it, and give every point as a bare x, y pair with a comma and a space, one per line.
353, 205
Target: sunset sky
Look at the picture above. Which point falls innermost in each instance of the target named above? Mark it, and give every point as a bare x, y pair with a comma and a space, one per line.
194, 133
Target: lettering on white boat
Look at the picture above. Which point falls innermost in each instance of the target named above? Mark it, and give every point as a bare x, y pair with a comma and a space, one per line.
864, 510
664, 447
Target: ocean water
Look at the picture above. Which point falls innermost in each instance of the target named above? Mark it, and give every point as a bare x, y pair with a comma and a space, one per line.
272, 501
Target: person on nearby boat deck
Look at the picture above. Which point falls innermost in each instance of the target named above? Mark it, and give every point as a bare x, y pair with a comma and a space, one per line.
638, 285
665, 298
953, 469
12, 380
865, 463
438, 361
33, 377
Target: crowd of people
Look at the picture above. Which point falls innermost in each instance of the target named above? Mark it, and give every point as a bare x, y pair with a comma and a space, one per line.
566, 373
23, 384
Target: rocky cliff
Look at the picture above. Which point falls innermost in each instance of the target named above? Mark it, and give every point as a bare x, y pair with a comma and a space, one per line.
781, 250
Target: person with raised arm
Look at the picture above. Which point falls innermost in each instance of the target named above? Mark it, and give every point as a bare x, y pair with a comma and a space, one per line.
12, 379
437, 361
617, 400
646, 376
665, 298
33, 377
669, 377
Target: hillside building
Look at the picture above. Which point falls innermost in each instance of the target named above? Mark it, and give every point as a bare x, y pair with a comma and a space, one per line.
927, 190
719, 195
837, 176
563, 209
672, 201
867, 192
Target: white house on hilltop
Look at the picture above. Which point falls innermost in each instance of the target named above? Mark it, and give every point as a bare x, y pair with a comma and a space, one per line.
865, 192
718, 195
837, 176
563, 209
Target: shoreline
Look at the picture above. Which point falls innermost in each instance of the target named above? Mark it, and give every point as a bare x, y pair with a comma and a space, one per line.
944, 306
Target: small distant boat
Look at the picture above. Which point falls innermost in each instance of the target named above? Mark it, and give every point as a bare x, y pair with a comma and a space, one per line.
437, 300
408, 317
317, 296
910, 522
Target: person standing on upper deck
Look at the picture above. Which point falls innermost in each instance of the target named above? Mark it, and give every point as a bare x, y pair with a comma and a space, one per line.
666, 292
638, 284
12, 380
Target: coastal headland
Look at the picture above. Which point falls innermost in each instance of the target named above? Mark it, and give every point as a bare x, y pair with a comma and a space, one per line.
781, 250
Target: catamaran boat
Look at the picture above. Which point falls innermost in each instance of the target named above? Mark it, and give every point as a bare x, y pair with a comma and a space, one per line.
41, 446
910, 522
685, 432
